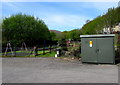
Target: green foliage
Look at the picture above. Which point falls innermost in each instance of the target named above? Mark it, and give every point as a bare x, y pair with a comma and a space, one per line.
24, 28
110, 19
64, 35
52, 54
73, 34
62, 44
58, 36
53, 35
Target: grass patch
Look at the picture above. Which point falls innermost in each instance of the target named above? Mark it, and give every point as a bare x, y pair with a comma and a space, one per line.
16, 52
47, 54
52, 54
40, 54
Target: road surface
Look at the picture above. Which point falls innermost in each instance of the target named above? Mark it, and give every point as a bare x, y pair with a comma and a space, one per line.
55, 70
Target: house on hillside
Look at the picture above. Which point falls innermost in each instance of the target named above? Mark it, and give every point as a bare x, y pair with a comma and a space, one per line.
106, 30
114, 30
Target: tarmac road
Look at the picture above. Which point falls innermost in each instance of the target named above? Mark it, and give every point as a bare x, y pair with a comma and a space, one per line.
55, 70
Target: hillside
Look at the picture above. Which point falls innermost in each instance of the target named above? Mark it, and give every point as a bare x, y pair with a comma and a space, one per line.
108, 20
56, 31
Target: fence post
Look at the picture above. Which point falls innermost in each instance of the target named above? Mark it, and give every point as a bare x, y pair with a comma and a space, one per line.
44, 47
50, 48
14, 51
43, 50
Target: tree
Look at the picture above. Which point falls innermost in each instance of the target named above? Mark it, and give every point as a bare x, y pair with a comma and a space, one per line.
64, 35
53, 35
87, 21
74, 34
24, 28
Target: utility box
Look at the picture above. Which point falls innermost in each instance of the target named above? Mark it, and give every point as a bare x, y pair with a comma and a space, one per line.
98, 48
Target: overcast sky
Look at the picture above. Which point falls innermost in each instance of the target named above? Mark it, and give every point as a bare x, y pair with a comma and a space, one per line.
62, 16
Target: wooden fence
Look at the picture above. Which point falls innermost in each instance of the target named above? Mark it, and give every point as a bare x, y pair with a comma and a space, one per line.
43, 51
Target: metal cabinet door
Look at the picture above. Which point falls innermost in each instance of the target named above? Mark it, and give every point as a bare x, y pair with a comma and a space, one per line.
105, 47
88, 53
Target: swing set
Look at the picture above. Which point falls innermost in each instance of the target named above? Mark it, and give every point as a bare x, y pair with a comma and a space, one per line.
10, 47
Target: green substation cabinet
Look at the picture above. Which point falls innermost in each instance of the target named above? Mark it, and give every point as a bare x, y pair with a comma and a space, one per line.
98, 48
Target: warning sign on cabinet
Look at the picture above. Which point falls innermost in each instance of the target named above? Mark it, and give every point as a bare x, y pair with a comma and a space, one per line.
91, 43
